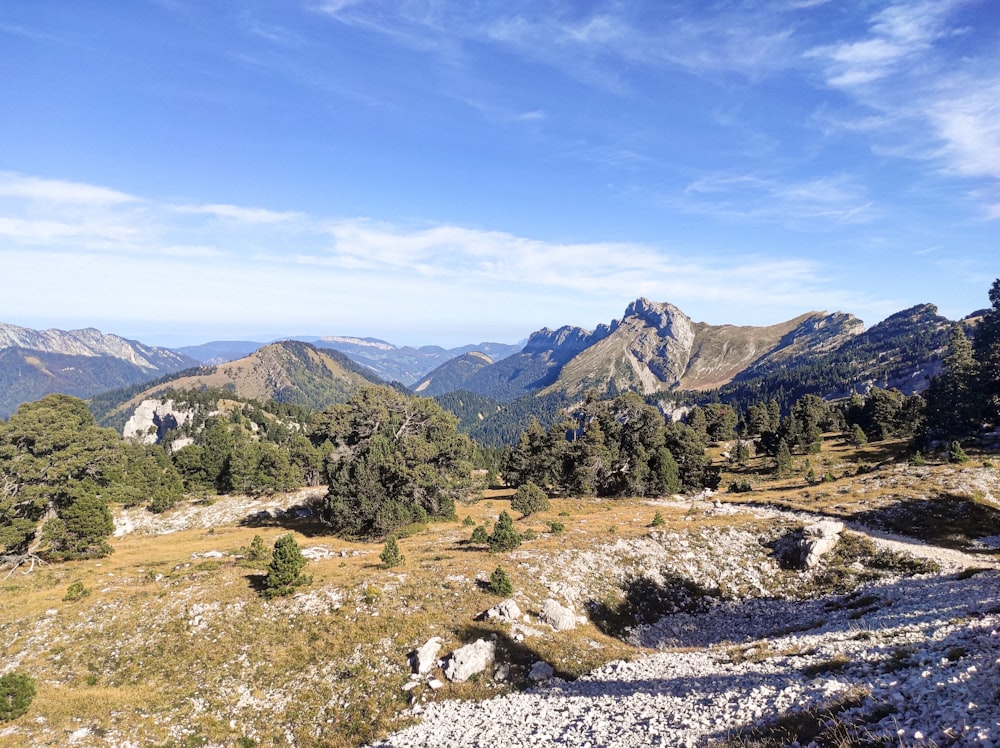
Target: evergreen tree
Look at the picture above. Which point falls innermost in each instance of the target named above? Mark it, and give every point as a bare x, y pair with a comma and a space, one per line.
17, 691
284, 573
390, 555
500, 583
955, 406
505, 537
529, 499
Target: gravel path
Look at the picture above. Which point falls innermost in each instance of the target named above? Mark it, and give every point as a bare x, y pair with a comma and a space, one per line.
927, 651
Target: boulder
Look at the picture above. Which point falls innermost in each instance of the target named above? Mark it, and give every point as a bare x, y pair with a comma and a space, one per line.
540, 671
558, 617
423, 659
818, 539
468, 660
507, 612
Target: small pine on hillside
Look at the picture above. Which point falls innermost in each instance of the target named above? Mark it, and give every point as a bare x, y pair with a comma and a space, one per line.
390, 553
500, 583
16, 694
505, 537
529, 499
284, 573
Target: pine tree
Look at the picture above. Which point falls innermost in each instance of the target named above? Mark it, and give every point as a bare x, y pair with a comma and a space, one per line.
529, 499
16, 694
500, 583
505, 537
390, 553
284, 573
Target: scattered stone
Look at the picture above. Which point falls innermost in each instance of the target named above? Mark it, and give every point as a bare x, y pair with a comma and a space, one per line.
423, 659
317, 553
209, 554
557, 616
435, 684
818, 539
468, 660
505, 612
540, 671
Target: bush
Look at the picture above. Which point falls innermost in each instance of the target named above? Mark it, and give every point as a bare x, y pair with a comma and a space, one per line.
658, 520
468, 521
956, 454
740, 486
529, 499
480, 536
16, 694
500, 583
76, 591
390, 553
284, 573
256, 551
556, 527
504, 537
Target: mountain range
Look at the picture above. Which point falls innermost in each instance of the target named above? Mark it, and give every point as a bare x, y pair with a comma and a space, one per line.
654, 349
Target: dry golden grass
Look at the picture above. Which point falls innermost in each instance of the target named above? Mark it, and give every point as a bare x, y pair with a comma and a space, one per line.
168, 649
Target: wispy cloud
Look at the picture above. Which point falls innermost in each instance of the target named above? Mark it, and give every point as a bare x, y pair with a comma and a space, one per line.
58, 191
808, 204
233, 254
921, 101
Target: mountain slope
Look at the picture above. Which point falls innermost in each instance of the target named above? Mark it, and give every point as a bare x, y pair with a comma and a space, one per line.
287, 372
34, 363
452, 375
406, 364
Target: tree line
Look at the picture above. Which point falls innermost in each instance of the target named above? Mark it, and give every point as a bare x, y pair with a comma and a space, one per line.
390, 460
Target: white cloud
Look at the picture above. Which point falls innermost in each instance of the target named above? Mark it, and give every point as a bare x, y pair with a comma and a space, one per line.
58, 191
242, 214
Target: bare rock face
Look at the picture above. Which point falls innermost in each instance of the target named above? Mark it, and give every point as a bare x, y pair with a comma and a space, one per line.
471, 659
817, 540
557, 616
152, 419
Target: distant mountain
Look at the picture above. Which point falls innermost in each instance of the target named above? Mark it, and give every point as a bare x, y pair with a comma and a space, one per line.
288, 372
654, 348
220, 351
452, 375
903, 351
34, 363
407, 365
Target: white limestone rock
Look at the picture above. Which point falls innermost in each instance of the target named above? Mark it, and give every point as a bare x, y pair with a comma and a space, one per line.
424, 658
558, 617
471, 659
817, 540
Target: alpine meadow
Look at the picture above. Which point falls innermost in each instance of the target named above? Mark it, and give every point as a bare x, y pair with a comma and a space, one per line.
722, 470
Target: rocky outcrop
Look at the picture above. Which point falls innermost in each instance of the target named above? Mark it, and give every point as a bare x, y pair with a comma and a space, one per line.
505, 612
424, 658
153, 419
468, 660
818, 539
557, 616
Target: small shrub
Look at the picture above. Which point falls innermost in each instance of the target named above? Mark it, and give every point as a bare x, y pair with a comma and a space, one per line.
956, 454
500, 583
529, 499
740, 486
479, 536
658, 520
16, 694
505, 537
556, 527
528, 534
257, 551
284, 573
468, 521
76, 591
390, 553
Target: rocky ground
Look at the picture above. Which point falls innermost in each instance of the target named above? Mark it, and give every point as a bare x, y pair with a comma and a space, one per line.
902, 661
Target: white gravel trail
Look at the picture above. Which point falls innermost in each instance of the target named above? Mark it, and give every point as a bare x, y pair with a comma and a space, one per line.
927, 650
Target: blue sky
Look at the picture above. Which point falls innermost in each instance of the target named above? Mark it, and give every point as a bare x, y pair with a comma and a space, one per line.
449, 171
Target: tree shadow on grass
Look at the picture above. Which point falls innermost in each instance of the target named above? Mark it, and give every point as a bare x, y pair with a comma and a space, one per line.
949, 520
301, 518
645, 601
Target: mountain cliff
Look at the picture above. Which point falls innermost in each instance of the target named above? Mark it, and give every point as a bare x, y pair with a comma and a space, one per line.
34, 363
